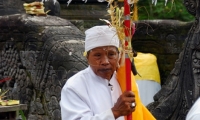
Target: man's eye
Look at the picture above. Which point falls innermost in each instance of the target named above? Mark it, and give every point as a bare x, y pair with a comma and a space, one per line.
112, 54
97, 55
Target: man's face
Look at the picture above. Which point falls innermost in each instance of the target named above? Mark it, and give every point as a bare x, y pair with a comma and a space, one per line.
103, 61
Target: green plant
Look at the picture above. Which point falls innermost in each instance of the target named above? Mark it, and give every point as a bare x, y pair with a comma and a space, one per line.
22, 115
173, 10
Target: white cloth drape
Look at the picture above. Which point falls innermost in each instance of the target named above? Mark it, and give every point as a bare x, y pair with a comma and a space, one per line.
149, 79
147, 89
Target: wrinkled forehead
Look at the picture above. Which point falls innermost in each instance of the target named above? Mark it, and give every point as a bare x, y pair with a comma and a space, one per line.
105, 48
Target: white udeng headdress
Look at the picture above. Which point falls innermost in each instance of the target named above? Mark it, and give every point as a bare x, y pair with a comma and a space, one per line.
98, 36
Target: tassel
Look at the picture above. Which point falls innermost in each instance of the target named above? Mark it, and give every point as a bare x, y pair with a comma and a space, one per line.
135, 12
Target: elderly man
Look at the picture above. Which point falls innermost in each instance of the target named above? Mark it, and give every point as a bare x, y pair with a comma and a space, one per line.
94, 93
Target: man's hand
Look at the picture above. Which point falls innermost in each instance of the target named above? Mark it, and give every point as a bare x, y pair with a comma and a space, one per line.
123, 106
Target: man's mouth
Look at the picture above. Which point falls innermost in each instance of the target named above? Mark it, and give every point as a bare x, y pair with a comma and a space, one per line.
105, 70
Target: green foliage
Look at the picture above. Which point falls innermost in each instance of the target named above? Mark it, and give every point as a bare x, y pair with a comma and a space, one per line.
175, 11
22, 115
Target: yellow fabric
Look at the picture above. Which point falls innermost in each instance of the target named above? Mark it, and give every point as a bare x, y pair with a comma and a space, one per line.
141, 112
146, 65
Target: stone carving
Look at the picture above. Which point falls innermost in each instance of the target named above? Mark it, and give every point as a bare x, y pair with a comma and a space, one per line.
39, 54
181, 89
191, 6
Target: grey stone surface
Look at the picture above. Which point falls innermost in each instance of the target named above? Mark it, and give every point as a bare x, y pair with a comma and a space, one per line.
35, 55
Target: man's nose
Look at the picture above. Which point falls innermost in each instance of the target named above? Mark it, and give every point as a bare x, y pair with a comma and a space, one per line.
105, 60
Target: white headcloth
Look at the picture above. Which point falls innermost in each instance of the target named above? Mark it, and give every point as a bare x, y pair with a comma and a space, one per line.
99, 36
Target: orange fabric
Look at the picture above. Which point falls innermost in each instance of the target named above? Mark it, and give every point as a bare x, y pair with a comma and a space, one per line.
141, 112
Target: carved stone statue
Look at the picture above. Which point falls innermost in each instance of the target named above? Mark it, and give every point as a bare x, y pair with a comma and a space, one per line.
39, 54
182, 87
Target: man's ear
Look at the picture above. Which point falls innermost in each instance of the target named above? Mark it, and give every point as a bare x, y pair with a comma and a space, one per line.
87, 55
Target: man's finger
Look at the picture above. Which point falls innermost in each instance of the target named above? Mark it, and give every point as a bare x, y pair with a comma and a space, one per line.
129, 94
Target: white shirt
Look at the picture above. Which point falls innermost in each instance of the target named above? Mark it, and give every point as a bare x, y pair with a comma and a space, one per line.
194, 112
86, 96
